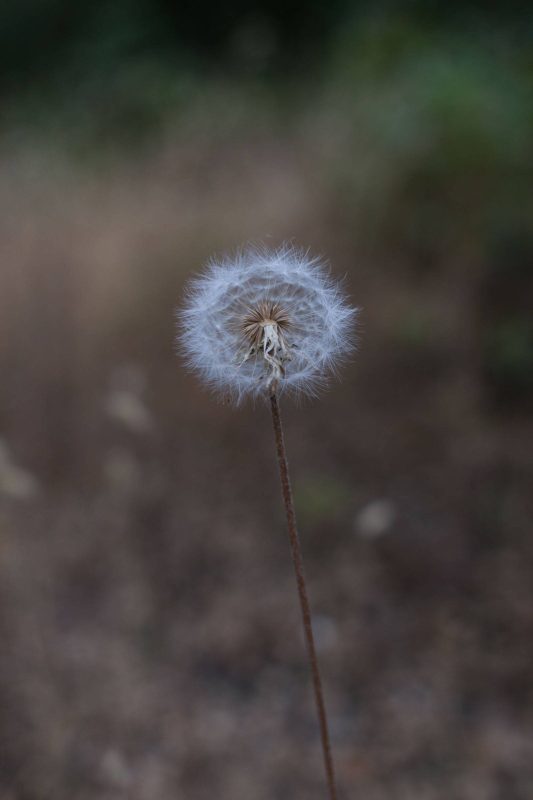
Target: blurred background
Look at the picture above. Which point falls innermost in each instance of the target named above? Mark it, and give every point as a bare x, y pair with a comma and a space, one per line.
151, 644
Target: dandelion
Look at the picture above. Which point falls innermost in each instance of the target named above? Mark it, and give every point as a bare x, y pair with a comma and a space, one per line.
263, 320
259, 324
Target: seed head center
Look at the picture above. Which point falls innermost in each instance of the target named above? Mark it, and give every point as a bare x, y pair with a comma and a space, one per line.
264, 328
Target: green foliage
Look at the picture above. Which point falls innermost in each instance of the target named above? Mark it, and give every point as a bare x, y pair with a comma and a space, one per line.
506, 302
320, 498
509, 355
434, 136
415, 331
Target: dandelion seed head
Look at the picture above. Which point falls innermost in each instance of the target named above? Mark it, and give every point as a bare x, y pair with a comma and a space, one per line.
263, 321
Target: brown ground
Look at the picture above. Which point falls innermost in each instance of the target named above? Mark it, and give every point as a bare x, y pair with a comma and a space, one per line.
151, 646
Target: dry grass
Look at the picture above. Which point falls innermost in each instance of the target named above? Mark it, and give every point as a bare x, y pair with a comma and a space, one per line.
149, 626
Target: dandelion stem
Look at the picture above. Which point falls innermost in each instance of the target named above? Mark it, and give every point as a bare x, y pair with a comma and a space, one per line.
302, 593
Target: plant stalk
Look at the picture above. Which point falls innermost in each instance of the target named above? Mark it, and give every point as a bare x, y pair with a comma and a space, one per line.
297, 559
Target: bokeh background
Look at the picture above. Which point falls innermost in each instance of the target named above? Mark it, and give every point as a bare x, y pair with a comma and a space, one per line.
149, 627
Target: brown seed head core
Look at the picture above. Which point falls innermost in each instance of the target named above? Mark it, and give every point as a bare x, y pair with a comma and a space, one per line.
263, 328
265, 313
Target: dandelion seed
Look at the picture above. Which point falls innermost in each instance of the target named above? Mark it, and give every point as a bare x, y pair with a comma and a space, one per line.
263, 320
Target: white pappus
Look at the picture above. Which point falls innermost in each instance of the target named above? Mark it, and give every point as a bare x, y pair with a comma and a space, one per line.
265, 321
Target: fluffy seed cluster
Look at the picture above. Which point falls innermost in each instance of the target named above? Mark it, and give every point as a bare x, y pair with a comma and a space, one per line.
265, 321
